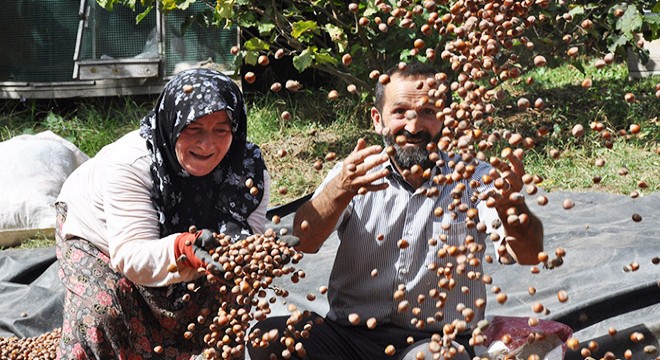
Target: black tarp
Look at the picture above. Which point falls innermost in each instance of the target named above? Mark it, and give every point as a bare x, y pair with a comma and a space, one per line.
31, 295
598, 234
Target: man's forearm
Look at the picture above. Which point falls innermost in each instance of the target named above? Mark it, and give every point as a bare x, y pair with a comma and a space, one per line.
321, 215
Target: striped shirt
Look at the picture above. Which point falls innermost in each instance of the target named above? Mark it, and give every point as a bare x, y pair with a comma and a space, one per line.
430, 259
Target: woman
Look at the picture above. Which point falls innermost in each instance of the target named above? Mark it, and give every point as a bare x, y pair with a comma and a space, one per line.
123, 219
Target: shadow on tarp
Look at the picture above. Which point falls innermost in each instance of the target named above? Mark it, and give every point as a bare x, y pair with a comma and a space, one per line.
618, 344
607, 308
289, 208
598, 235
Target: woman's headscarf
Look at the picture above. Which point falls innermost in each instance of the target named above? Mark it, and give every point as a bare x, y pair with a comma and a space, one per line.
220, 199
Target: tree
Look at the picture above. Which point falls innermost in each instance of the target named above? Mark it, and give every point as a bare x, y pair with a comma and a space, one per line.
477, 44
327, 35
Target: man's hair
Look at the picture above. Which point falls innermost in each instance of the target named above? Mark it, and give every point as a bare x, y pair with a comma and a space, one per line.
412, 69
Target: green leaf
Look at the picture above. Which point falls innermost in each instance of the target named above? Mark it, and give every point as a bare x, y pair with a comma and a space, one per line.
621, 41
370, 10
53, 119
325, 58
593, 5
338, 36
256, 44
143, 14
184, 5
630, 22
168, 5
300, 27
265, 28
556, 129
304, 60
225, 9
577, 10
656, 7
653, 23
130, 4
106, 4
247, 20
404, 55
336, 33
251, 57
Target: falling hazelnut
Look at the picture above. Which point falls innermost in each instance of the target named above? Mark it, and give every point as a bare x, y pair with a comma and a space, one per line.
275, 87
346, 59
578, 130
333, 94
540, 61
263, 60
354, 318
250, 77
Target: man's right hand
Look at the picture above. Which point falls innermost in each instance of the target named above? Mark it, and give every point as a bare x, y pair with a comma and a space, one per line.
316, 219
354, 177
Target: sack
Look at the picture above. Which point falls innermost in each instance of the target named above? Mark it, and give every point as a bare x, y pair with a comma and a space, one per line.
34, 168
547, 339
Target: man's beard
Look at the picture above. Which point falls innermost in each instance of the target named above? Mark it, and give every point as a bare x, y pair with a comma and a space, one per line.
407, 156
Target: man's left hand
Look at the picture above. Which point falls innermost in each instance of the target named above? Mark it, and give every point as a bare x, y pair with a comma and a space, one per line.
510, 183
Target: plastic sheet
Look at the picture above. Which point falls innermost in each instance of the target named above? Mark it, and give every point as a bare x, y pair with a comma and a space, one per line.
598, 234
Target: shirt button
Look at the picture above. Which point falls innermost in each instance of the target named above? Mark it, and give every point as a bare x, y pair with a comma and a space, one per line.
404, 271
409, 232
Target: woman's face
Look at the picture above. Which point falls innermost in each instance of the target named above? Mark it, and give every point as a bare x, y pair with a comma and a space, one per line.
204, 143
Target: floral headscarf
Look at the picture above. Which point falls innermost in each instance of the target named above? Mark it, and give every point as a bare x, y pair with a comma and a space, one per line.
220, 199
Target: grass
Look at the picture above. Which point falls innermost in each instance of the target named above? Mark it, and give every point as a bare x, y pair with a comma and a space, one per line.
316, 128
39, 240
567, 103
319, 126
90, 124
575, 169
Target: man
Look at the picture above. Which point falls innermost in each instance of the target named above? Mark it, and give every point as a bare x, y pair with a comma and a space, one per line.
411, 217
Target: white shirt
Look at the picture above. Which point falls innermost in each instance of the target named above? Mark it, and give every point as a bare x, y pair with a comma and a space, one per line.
396, 213
109, 204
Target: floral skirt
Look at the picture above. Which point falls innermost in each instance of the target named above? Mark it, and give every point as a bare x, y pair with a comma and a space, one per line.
106, 316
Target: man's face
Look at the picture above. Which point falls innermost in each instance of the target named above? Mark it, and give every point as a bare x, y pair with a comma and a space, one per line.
408, 111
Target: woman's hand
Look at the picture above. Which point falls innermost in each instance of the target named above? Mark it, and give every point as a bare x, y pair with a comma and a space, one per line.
192, 249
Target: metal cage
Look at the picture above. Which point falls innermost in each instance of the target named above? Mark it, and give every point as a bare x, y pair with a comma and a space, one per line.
75, 48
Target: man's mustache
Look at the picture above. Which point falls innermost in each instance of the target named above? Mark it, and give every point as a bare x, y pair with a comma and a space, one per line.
422, 136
